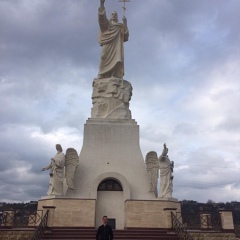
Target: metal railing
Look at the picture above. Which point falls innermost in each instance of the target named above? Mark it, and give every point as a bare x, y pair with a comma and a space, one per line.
20, 219
41, 228
179, 229
200, 221
6, 219
237, 229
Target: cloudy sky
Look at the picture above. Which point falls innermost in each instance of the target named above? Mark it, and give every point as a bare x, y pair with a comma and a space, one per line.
182, 59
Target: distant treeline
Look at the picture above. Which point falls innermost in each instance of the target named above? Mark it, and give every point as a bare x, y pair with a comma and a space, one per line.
189, 207
29, 206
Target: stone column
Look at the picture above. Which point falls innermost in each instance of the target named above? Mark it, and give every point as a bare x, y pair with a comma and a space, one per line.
205, 223
168, 216
227, 219
9, 217
51, 210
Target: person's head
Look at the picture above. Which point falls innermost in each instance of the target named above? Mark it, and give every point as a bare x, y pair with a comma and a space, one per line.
105, 220
59, 147
114, 16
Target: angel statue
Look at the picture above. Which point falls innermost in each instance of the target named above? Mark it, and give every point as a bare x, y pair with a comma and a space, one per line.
166, 178
71, 164
58, 164
56, 167
153, 170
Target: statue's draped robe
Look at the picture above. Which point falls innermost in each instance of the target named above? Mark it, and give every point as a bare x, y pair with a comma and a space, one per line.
153, 171
166, 186
71, 163
111, 37
56, 175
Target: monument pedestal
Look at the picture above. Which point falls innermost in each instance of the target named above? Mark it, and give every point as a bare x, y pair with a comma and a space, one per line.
111, 153
69, 212
111, 180
150, 214
111, 150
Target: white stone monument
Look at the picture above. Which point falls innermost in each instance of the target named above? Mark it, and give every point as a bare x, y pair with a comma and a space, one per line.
112, 178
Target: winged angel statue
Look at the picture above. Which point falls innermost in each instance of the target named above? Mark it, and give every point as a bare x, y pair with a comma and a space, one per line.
58, 164
163, 163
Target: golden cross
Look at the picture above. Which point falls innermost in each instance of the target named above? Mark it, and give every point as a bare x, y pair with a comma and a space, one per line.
124, 5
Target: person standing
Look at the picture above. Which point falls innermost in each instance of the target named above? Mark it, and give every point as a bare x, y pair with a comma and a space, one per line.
104, 232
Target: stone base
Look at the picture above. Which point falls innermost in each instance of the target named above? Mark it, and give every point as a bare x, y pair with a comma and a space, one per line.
150, 214
111, 98
70, 212
67, 212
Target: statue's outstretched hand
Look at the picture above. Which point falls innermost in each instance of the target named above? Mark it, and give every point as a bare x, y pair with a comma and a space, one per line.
102, 4
43, 169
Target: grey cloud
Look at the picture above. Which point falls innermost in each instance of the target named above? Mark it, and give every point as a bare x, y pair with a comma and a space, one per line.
185, 129
229, 124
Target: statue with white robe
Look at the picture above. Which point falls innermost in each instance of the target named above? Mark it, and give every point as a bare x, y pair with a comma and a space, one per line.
111, 37
56, 168
166, 177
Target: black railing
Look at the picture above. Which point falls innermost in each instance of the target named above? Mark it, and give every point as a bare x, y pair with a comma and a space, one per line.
41, 228
198, 221
236, 222
179, 229
20, 219
6, 219
237, 229
34, 218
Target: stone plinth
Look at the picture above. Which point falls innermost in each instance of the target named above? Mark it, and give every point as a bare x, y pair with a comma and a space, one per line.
66, 212
9, 216
227, 220
205, 223
150, 214
111, 98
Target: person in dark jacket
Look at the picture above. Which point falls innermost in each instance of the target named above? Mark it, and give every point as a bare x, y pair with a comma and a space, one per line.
104, 232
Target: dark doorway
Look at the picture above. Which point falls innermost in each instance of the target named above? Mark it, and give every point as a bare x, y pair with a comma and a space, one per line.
112, 222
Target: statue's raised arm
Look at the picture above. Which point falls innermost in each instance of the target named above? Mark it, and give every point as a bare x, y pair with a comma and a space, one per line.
112, 35
102, 5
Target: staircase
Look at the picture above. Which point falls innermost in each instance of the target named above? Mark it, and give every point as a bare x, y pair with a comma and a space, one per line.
90, 234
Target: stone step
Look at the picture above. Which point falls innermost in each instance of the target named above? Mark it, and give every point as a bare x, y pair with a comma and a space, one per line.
89, 234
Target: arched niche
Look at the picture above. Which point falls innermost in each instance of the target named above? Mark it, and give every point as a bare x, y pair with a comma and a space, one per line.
111, 175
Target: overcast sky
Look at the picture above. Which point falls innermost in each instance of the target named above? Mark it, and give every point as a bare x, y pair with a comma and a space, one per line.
182, 59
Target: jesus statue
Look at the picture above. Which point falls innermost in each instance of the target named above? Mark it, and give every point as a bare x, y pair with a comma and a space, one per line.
111, 37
